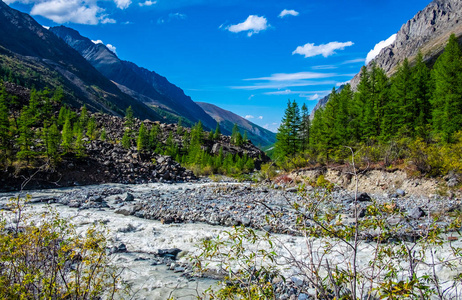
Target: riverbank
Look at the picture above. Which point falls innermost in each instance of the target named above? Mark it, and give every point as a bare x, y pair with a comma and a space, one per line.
146, 219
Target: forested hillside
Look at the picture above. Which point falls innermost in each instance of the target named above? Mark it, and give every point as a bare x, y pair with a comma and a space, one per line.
39, 134
412, 119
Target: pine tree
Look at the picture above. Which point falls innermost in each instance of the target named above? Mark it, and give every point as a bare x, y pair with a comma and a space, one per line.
58, 95
287, 137
245, 138
79, 147
358, 110
126, 140
153, 136
400, 109
67, 135
5, 137
305, 125
33, 106
62, 116
129, 118
142, 141
103, 135
447, 96
26, 134
423, 90
179, 129
91, 128
83, 116
236, 137
197, 134
217, 133
52, 138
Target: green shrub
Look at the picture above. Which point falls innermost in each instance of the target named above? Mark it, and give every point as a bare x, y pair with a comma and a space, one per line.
50, 260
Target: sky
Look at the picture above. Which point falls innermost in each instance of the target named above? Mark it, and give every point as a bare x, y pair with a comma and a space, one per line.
246, 56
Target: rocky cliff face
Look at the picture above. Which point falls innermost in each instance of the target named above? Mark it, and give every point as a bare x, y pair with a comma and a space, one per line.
428, 31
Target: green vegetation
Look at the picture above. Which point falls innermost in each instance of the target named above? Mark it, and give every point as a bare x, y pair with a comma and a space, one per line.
360, 255
191, 151
50, 260
410, 120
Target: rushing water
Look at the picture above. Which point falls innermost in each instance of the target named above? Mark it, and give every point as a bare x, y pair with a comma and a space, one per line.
144, 237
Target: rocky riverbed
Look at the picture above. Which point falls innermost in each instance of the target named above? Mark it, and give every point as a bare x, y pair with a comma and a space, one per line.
153, 227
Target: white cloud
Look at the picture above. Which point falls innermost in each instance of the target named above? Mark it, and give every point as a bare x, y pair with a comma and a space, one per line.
353, 61
72, 11
310, 50
147, 3
301, 93
172, 16
123, 4
260, 117
314, 97
342, 83
288, 12
378, 47
62, 11
105, 20
46, 27
324, 67
249, 117
111, 48
253, 24
294, 76
282, 85
251, 96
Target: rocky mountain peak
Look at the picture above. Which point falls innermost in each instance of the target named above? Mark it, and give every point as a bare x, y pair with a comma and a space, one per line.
428, 31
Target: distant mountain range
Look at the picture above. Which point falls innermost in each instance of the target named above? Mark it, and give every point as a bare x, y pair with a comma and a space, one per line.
142, 84
258, 135
41, 59
91, 74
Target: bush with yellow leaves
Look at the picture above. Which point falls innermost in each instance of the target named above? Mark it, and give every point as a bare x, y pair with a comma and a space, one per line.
48, 259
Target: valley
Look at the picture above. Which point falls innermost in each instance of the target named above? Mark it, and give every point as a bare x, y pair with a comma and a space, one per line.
115, 183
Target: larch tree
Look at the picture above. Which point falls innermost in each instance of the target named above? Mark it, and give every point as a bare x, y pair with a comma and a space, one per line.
447, 96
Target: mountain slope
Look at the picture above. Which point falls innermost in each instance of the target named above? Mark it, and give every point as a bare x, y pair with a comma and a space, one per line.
26, 47
258, 135
145, 85
428, 31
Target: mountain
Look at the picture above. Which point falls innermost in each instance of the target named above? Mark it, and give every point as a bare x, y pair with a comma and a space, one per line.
428, 31
258, 135
36, 57
140, 83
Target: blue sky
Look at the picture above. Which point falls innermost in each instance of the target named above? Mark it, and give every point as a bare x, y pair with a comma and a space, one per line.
248, 57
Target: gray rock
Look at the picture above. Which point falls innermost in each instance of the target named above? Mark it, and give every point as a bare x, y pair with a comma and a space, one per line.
363, 197
121, 248
297, 281
303, 296
453, 182
393, 221
416, 213
129, 197
170, 253
400, 192
245, 221
126, 210
292, 189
